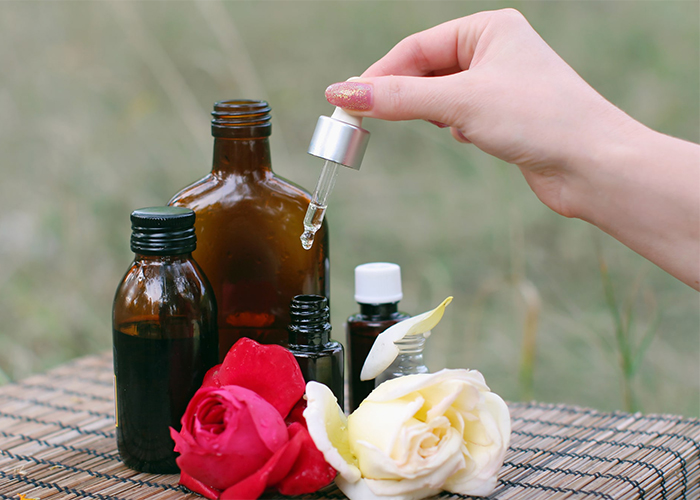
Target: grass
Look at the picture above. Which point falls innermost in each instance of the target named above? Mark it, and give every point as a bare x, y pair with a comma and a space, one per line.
105, 109
630, 356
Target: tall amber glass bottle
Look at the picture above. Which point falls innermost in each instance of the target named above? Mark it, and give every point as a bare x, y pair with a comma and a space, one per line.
248, 226
164, 334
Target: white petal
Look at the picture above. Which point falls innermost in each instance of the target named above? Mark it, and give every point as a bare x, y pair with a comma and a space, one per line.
479, 487
384, 352
359, 490
428, 482
328, 428
373, 430
402, 386
499, 409
479, 477
430, 469
441, 396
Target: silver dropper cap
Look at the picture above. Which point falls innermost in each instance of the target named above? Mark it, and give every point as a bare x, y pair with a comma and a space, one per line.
340, 139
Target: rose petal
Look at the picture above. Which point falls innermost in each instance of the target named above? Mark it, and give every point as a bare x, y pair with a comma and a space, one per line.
269, 370
328, 428
198, 487
183, 441
465, 460
480, 478
432, 475
384, 350
380, 433
272, 472
211, 378
253, 431
310, 472
391, 459
297, 413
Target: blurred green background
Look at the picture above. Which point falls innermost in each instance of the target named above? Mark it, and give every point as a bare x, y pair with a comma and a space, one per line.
104, 108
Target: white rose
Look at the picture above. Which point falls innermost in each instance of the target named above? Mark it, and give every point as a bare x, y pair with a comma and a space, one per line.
414, 436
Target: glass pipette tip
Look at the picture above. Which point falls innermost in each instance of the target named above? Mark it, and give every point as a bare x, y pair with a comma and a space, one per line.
317, 207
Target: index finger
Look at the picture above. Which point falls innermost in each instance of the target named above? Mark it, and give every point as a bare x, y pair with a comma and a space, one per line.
447, 46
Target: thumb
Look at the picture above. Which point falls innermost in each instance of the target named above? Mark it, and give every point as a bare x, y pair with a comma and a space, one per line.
397, 97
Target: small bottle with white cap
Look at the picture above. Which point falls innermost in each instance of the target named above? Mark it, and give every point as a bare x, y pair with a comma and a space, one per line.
378, 292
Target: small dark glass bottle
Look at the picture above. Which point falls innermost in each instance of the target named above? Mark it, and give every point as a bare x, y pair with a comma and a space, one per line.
378, 292
319, 357
164, 334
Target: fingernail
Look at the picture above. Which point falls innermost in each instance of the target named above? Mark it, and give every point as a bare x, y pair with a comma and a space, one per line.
461, 137
438, 124
350, 95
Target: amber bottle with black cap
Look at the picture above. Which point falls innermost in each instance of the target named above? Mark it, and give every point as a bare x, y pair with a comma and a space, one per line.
248, 223
164, 335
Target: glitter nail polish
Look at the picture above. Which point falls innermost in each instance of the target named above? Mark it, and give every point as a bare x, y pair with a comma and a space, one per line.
355, 96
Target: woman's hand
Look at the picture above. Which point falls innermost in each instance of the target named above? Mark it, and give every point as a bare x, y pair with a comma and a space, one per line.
497, 84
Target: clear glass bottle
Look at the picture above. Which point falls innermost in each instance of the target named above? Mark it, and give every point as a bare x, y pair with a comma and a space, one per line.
378, 292
164, 336
408, 362
319, 357
248, 222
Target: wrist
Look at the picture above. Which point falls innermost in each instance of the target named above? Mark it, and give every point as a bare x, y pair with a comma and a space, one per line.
641, 187
599, 171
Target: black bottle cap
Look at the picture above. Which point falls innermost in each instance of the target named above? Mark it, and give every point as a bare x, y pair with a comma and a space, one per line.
163, 231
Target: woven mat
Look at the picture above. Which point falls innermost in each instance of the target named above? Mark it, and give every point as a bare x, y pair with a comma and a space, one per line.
57, 442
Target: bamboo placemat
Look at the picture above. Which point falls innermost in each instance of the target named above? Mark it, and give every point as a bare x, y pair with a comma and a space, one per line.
57, 442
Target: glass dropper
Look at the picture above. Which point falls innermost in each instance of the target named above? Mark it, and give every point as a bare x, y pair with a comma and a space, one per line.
317, 207
339, 140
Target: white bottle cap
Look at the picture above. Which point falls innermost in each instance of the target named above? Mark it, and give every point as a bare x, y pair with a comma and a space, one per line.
378, 283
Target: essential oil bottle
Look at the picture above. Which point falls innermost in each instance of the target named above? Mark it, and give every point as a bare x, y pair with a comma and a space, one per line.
248, 225
378, 292
164, 334
319, 357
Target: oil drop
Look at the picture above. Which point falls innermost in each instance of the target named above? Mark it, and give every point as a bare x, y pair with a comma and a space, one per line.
312, 223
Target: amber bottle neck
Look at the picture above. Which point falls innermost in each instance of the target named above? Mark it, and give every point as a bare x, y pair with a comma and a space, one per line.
241, 156
162, 259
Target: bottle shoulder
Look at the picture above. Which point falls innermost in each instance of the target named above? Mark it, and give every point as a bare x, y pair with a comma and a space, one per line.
285, 186
148, 287
198, 190
231, 191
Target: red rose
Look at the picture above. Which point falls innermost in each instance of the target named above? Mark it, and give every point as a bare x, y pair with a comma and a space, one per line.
234, 441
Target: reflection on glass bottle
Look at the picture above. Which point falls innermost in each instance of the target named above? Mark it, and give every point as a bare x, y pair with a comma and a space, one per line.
248, 222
